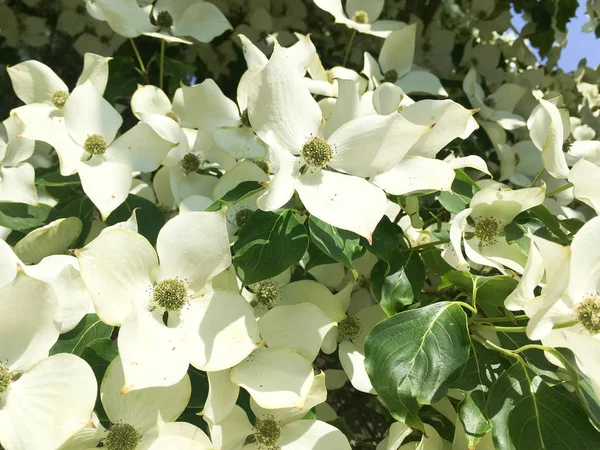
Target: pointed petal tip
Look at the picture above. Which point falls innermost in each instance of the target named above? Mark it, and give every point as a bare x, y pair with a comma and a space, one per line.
127, 388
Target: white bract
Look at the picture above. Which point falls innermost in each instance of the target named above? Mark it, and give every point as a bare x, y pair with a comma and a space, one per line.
361, 147
133, 286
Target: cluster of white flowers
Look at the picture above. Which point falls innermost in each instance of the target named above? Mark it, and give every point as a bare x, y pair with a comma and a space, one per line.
105, 328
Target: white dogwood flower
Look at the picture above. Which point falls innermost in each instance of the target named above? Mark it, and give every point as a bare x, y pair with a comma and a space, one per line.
133, 286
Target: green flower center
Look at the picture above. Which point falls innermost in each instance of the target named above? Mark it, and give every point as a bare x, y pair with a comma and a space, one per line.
122, 436
588, 313
5, 379
266, 294
349, 329
170, 294
245, 119
171, 115
267, 432
487, 230
391, 76
317, 152
242, 216
164, 19
190, 163
95, 145
361, 17
59, 98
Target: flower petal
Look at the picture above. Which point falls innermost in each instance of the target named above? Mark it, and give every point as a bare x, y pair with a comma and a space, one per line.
398, 50
281, 109
17, 184
302, 291
153, 354
222, 395
105, 182
275, 377
150, 99
416, 174
220, 330
125, 17
143, 408
371, 145
584, 176
239, 142
35, 82
285, 326
141, 148
207, 108
313, 434
193, 247
343, 201
347, 107
421, 82
118, 269
175, 436
373, 8
41, 410
28, 311
504, 205
87, 113
353, 363
203, 21
95, 69
585, 261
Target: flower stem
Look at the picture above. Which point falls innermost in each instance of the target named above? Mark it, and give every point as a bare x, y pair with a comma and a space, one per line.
499, 329
560, 189
349, 48
537, 177
500, 319
138, 56
162, 63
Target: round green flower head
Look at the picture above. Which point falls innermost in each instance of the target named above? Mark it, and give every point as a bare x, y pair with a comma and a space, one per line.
5, 379
190, 163
588, 314
490, 102
59, 98
317, 152
349, 329
164, 19
171, 115
267, 432
266, 294
242, 216
487, 230
122, 436
361, 17
391, 76
170, 294
568, 144
95, 145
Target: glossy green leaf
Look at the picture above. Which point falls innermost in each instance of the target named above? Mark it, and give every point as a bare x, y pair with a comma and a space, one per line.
340, 245
526, 414
240, 192
388, 240
268, 244
199, 382
149, 218
463, 189
56, 179
413, 358
19, 216
396, 285
89, 329
485, 290
53, 239
83, 209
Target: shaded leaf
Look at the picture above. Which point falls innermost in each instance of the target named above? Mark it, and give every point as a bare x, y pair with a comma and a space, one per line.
149, 218
89, 329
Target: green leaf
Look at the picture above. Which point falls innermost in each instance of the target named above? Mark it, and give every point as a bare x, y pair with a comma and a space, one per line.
83, 209
543, 214
176, 70
413, 358
52, 239
316, 257
199, 382
99, 354
463, 189
240, 192
581, 382
485, 290
340, 245
395, 286
122, 81
432, 257
89, 329
482, 370
387, 240
268, 244
149, 218
528, 414
56, 179
19, 216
